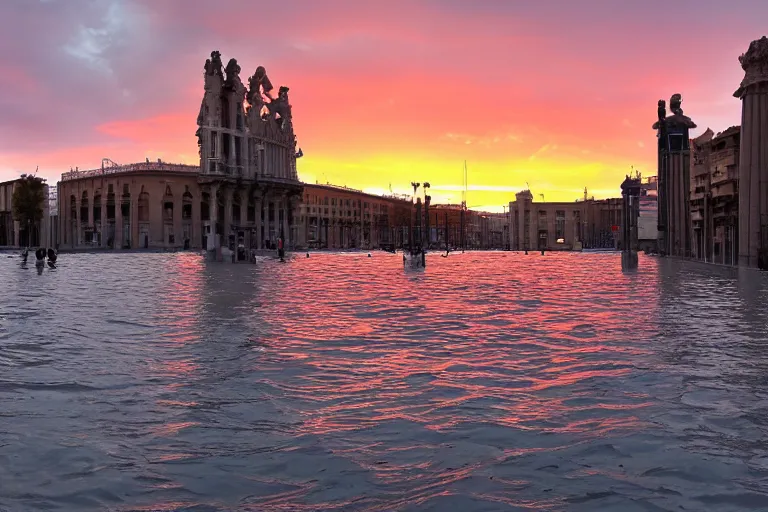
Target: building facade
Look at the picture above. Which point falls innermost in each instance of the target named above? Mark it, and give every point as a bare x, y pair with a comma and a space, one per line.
334, 217
15, 235
563, 225
648, 217
141, 205
715, 196
247, 159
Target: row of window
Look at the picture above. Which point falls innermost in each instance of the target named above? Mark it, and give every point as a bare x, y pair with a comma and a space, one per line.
310, 199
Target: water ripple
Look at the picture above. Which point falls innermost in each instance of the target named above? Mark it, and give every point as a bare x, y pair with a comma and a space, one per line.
492, 381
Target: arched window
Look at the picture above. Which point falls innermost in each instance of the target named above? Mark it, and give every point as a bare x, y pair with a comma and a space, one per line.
143, 207
186, 205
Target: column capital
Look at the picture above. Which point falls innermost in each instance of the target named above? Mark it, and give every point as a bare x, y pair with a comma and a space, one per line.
754, 62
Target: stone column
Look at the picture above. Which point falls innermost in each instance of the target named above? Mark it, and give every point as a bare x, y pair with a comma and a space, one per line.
118, 242
134, 212
91, 206
76, 234
270, 223
213, 208
195, 224
103, 220
63, 215
259, 210
753, 158
674, 179
227, 227
286, 231
177, 231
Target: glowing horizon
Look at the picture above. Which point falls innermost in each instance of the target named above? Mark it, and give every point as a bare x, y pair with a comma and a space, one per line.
379, 99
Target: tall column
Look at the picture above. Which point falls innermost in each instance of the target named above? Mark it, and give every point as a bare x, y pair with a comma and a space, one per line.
134, 212
178, 239
91, 206
259, 222
195, 224
77, 231
118, 241
227, 224
103, 220
674, 178
271, 223
213, 208
62, 218
753, 158
286, 232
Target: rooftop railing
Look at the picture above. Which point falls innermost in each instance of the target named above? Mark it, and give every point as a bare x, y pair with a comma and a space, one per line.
121, 169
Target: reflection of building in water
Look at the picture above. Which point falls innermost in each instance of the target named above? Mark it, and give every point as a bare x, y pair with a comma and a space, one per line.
591, 223
12, 232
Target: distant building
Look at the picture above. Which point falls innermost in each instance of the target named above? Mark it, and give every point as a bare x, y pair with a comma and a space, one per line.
141, 205
335, 217
714, 196
647, 223
563, 225
248, 158
15, 235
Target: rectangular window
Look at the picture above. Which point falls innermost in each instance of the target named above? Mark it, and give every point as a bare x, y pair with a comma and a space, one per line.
214, 137
559, 224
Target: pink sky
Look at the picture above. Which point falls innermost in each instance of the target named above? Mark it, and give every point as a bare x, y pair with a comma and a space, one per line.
559, 94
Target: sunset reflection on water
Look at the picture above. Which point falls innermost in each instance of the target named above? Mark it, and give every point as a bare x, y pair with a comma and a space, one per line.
489, 381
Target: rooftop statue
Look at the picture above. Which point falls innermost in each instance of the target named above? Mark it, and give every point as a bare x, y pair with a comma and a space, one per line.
662, 111
281, 107
675, 121
214, 64
233, 74
259, 84
674, 104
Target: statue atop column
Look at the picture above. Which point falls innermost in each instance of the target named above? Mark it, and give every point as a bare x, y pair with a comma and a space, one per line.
258, 85
677, 123
232, 81
281, 107
214, 79
755, 65
213, 65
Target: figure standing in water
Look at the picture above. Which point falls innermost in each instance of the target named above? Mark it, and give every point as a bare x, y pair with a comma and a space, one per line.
280, 250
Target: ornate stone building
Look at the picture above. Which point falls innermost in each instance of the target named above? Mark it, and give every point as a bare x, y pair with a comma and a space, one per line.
563, 225
247, 159
143, 205
674, 182
715, 196
337, 217
753, 157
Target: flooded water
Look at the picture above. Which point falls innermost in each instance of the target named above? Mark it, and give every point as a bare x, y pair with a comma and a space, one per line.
488, 382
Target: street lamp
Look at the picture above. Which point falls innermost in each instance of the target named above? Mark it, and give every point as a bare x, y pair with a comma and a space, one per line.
415, 187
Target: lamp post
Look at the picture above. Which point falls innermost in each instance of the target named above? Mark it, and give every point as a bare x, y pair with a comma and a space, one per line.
415, 186
427, 199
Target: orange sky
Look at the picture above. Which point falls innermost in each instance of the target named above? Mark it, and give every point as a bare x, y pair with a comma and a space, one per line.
557, 94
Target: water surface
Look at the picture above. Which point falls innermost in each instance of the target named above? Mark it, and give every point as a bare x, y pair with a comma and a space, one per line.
491, 381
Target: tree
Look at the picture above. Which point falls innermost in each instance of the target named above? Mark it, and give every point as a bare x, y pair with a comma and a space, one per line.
28, 201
